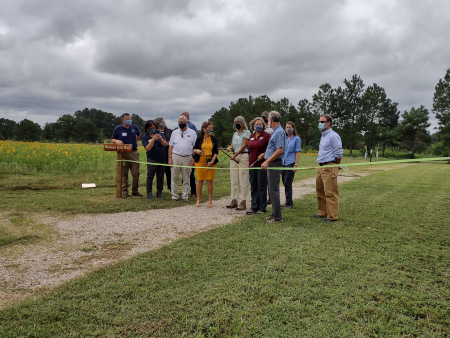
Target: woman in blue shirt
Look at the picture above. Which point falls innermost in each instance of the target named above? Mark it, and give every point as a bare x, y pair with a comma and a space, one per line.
292, 151
154, 143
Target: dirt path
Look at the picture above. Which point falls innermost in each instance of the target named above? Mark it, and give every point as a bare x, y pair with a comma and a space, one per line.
86, 242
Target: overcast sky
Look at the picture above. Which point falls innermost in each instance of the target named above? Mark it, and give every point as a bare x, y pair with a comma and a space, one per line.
159, 58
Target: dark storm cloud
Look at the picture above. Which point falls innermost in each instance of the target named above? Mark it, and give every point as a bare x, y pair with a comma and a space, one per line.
163, 57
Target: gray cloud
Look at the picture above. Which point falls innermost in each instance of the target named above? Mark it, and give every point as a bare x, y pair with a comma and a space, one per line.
163, 57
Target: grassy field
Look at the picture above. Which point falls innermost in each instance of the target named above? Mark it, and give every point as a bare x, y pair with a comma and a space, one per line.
383, 270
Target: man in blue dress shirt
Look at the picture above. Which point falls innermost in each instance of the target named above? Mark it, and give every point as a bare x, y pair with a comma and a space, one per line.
274, 159
330, 152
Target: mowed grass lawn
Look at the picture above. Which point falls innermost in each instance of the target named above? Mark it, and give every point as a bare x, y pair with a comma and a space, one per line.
382, 270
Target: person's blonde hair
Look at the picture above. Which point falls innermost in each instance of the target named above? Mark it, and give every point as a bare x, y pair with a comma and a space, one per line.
252, 123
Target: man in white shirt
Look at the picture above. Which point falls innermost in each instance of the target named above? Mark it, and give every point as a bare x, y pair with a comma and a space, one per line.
181, 147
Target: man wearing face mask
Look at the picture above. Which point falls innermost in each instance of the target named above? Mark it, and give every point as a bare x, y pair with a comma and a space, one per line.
274, 159
181, 147
191, 177
162, 128
128, 133
330, 152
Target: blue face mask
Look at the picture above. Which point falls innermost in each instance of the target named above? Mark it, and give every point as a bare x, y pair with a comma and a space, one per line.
128, 122
209, 132
321, 126
152, 131
258, 129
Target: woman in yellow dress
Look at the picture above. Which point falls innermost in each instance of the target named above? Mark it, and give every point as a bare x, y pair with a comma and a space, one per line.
205, 151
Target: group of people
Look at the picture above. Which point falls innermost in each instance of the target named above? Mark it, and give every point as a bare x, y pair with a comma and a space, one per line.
266, 145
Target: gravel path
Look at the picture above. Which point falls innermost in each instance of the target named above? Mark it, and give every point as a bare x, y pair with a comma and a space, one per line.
86, 242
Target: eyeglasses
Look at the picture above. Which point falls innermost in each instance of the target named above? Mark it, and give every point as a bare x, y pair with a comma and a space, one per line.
323, 121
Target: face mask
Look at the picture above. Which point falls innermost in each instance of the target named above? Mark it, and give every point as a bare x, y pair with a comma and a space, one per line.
128, 122
181, 125
321, 126
151, 131
162, 125
237, 126
209, 132
290, 131
266, 120
258, 128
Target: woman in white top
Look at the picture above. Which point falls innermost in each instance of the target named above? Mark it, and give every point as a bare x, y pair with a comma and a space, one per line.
239, 175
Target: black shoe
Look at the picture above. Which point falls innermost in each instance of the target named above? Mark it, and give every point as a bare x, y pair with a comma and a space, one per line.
251, 212
285, 206
318, 216
136, 194
150, 195
159, 194
329, 220
273, 220
125, 195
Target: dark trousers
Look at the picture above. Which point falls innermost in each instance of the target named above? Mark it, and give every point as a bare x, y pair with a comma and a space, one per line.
168, 172
258, 184
273, 178
192, 183
151, 171
287, 176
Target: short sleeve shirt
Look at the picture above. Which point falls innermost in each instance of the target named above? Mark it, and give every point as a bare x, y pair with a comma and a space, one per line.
239, 139
277, 140
183, 141
293, 146
127, 135
157, 153
257, 146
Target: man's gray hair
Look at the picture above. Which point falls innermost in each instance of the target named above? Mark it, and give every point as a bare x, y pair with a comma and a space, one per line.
240, 120
185, 119
275, 116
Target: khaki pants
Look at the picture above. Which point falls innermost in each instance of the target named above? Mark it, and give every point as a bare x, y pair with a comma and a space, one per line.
239, 177
134, 168
327, 192
185, 173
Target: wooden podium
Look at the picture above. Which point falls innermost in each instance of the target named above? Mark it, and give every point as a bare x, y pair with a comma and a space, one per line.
123, 148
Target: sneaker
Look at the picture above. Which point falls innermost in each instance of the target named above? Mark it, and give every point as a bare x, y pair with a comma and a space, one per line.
273, 220
233, 204
251, 212
242, 206
329, 220
260, 212
270, 217
285, 206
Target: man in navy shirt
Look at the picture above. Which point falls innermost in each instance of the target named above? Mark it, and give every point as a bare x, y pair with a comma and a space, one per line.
330, 152
274, 158
128, 133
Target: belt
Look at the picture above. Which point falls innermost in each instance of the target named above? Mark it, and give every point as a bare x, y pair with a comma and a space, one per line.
182, 155
325, 163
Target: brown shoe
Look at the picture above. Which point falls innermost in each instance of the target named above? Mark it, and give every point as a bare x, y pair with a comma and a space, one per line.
233, 204
241, 206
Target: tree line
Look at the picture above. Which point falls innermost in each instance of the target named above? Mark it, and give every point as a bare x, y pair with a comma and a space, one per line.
363, 116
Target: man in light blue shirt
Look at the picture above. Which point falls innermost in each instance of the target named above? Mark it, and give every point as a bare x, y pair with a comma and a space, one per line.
330, 152
274, 159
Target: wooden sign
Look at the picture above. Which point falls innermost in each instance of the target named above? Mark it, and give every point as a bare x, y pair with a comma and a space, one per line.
123, 148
